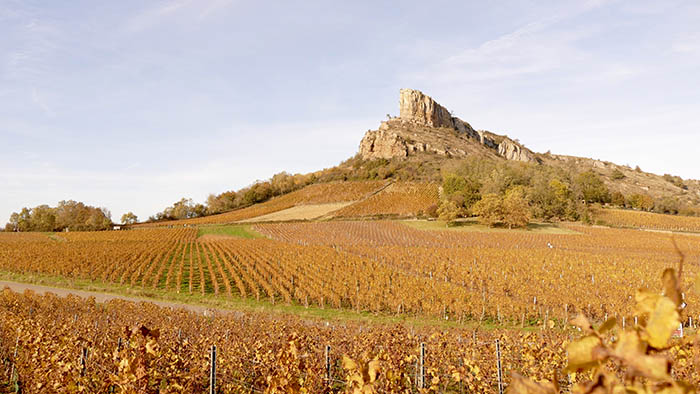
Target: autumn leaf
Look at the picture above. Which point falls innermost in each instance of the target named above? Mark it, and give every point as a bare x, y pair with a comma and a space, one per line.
585, 353
633, 352
671, 288
607, 326
522, 385
663, 320
373, 370
349, 364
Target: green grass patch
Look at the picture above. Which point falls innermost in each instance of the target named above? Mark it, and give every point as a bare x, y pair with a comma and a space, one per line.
237, 231
472, 225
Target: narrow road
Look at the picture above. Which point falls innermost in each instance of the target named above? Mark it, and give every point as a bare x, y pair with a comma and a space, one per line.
18, 287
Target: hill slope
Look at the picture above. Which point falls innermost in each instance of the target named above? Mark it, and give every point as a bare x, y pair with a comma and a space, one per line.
424, 126
426, 143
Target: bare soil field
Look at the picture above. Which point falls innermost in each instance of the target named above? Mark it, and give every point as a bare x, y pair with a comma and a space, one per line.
300, 212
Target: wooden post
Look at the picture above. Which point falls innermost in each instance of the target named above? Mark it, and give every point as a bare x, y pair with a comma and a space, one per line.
415, 374
83, 361
212, 371
14, 361
328, 364
421, 367
500, 371
119, 348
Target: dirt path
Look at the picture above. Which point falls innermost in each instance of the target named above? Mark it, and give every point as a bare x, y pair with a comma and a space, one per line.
104, 297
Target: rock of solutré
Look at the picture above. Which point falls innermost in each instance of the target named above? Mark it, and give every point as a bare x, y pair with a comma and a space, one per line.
416, 107
426, 126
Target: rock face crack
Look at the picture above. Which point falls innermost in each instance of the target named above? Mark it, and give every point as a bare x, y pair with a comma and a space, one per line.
426, 126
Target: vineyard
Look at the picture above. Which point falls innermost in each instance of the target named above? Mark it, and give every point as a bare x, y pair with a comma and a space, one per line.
335, 199
320, 193
52, 344
399, 199
381, 267
647, 220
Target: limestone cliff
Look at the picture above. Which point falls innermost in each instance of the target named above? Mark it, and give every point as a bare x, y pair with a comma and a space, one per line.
513, 151
416, 107
426, 126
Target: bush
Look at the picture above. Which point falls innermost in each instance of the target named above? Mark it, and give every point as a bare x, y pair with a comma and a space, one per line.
617, 175
432, 211
448, 211
489, 209
516, 211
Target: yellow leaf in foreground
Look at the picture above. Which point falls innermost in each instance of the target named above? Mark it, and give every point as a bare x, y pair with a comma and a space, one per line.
662, 321
522, 385
607, 326
585, 353
373, 370
671, 289
349, 364
633, 351
646, 301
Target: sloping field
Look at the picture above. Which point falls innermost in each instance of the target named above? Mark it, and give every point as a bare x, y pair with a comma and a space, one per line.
300, 212
378, 266
401, 199
321, 193
647, 220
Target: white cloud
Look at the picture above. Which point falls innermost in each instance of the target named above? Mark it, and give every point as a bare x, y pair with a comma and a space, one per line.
537, 47
40, 102
687, 44
191, 10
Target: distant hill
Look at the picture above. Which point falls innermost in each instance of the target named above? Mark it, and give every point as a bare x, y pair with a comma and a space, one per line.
414, 154
424, 126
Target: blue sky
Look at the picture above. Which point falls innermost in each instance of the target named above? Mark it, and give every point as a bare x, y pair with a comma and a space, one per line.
131, 105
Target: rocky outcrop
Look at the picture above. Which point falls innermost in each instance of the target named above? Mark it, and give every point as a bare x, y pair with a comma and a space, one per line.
512, 151
383, 144
426, 126
416, 107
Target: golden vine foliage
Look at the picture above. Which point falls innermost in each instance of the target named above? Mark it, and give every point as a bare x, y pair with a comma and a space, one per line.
320, 193
647, 220
639, 356
513, 278
142, 348
399, 199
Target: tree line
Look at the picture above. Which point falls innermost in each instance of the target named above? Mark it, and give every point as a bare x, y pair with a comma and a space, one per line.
258, 192
512, 193
538, 191
67, 215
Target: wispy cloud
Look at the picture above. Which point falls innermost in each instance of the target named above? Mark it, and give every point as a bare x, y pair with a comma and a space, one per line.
689, 43
190, 10
38, 99
28, 55
537, 47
